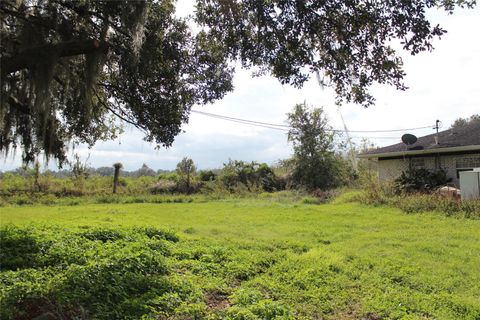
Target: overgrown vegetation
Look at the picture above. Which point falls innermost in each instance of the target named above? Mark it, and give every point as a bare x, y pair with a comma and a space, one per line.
420, 180
89, 273
236, 179
316, 162
387, 195
244, 259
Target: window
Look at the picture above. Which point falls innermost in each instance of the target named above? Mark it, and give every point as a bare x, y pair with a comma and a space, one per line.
467, 164
470, 162
417, 163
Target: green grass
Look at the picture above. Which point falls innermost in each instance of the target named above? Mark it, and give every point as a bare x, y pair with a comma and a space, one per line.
258, 259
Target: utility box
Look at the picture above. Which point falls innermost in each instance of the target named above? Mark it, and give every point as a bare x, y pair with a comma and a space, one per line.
470, 184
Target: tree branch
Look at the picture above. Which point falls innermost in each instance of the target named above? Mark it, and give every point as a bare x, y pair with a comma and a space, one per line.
18, 106
137, 125
32, 56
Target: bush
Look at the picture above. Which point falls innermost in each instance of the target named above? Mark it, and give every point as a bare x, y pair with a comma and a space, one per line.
122, 182
18, 248
420, 180
163, 186
251, 175
311, 200
48, 199
108, 199
153, 232
207, 175
324, 196
23, 200
102, 235
94, 274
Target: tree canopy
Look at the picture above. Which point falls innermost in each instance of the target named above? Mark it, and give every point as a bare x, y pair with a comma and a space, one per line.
462, 122
68, 66
314, 160
71, 69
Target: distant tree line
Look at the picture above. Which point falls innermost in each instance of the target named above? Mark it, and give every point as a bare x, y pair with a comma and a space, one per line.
144, 170
318, 163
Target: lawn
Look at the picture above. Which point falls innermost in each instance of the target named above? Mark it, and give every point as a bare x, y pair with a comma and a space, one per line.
239, 259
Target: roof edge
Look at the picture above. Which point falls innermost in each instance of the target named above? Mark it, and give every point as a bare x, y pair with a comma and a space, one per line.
419, 152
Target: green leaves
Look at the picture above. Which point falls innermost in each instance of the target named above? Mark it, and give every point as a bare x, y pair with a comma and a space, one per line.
102, 273
135, 61
349, 42
68, 67
314, 163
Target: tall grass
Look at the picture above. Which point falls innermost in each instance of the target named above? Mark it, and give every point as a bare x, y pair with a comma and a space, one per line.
418, 202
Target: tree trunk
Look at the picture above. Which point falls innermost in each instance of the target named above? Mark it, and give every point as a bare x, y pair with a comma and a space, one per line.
31, 56
116, 175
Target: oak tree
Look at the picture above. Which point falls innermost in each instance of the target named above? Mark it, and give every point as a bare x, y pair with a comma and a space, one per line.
71, 70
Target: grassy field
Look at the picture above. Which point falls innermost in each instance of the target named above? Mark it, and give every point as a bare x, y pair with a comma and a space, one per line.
241, 259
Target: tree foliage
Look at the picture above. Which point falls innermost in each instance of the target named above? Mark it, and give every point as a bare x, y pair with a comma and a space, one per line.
314, 164
186, 171
70, 70
252, 175
207, 175
462, 122
67, 66
347, 43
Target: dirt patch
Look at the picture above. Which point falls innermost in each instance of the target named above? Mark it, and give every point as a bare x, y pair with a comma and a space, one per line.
217, 300
354, 313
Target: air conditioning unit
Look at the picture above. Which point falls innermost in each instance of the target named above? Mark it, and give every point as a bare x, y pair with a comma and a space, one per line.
470, 184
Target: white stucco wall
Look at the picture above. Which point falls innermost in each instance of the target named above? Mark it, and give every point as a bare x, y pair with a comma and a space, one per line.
390, 169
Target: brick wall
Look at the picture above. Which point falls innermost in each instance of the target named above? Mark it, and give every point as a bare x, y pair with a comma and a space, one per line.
390, 169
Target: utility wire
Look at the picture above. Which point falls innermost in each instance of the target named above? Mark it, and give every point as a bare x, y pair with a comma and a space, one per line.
286, 127
268, 125
357, 137
283, 126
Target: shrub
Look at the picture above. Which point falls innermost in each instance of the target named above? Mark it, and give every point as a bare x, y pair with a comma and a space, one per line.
415, 180
77, 277
22, 200
18, 248
48, 199
163, 186
207, 175
122, 182
324, 196
251, 175
102, 235
311, 200
417, 202
153, 232
108, 199
284, 196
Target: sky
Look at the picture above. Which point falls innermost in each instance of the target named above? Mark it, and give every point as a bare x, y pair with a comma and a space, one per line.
443, 84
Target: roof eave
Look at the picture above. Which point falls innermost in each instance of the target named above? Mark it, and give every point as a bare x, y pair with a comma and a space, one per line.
419, 152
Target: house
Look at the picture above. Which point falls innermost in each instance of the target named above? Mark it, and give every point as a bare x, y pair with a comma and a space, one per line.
452, 150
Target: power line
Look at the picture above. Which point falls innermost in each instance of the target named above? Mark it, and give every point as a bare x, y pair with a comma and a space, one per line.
357, 137
286, 127
242, 121
391, 130
213, 115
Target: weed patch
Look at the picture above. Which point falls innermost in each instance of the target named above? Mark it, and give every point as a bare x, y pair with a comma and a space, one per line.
236, 259
414, 203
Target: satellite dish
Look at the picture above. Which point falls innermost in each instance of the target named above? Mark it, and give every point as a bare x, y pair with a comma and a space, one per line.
409, 139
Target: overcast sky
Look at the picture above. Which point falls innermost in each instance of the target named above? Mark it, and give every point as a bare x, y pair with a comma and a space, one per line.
443, 85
